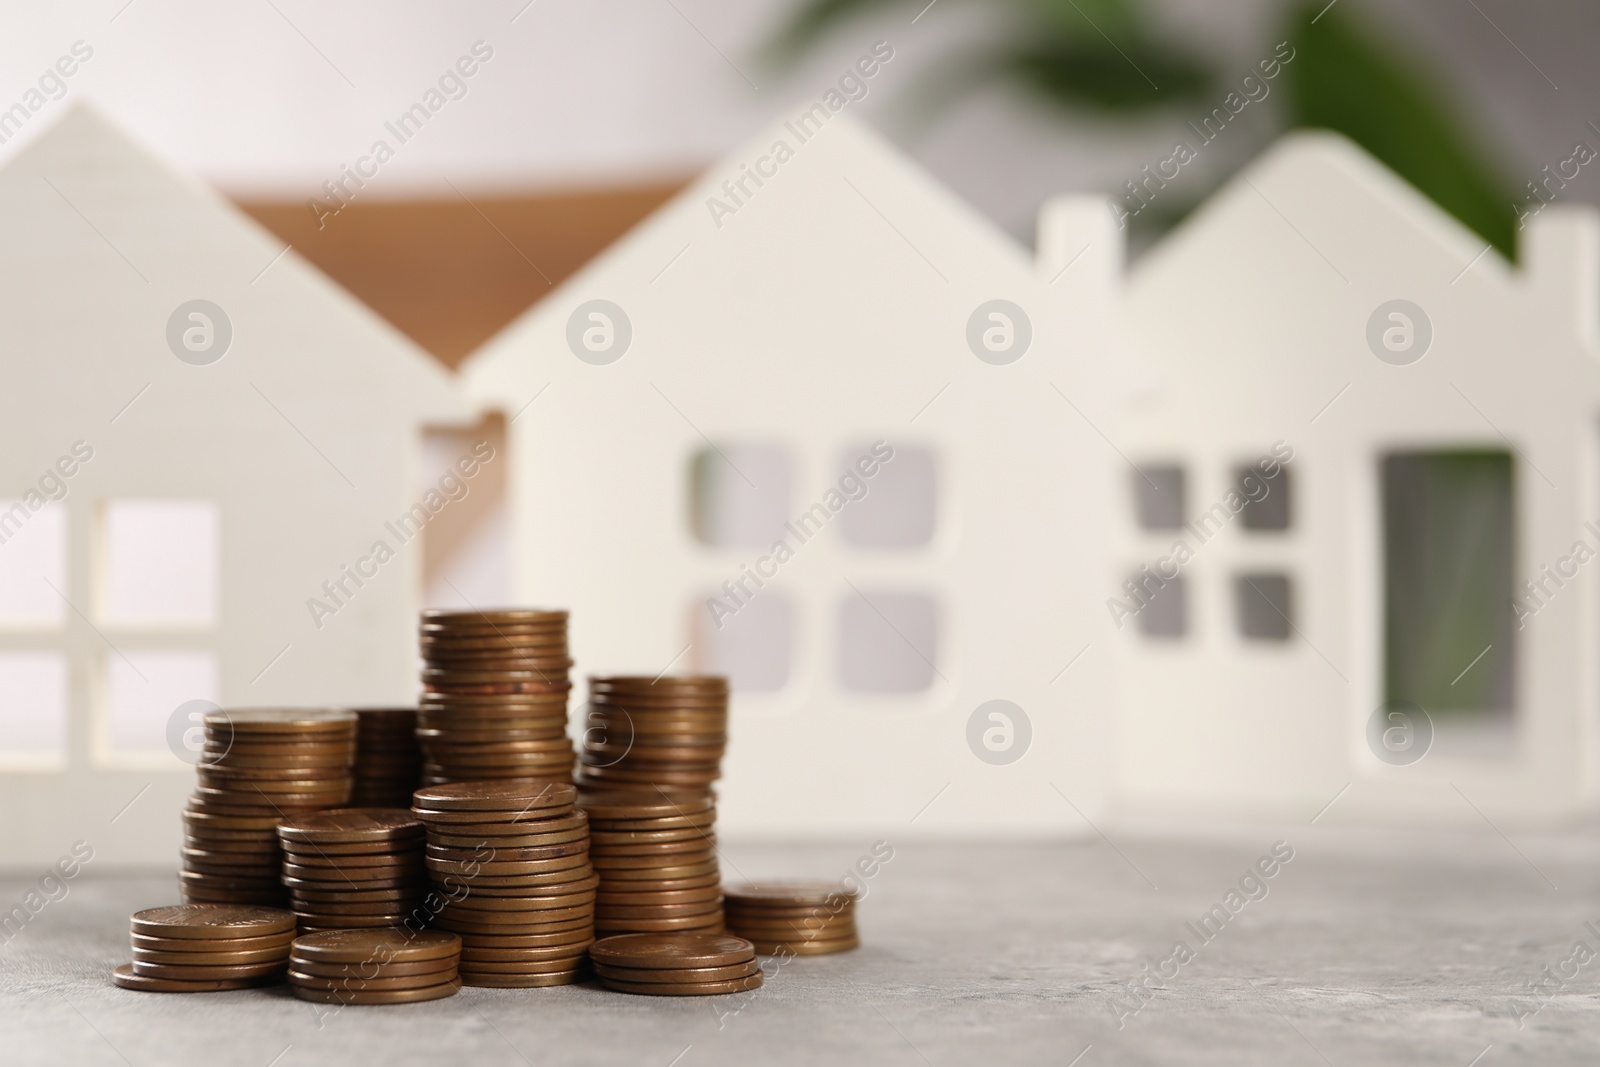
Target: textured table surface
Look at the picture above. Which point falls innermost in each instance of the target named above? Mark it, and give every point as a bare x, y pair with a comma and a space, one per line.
1368, 947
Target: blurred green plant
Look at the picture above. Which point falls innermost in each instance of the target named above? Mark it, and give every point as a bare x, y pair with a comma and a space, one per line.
1103, 57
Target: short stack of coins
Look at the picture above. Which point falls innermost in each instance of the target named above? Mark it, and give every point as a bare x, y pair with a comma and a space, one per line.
510, 858
656, 856
258, 766
793, 918
353, 868
643, 732
676, 965
495, 695
374, 966
202, 948
388, 765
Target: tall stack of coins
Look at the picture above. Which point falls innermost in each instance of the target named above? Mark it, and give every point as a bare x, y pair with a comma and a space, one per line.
656, 856
794, 918
495, 695
511, 857
375, 966
642, 732
258, 766
200, 948
676, 965
353, 868
388, 765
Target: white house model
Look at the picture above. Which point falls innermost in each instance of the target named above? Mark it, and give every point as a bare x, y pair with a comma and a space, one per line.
818, 422
818, 425
199, 432
1415, 422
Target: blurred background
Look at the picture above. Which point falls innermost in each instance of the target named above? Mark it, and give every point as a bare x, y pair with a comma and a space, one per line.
588, 115
579, 119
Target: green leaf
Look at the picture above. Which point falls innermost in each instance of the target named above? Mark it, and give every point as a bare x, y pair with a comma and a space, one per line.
1342, 79
814, 20
1133, 76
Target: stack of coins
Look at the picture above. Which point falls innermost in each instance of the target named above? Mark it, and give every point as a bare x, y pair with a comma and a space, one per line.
353, 867
676, 965
656, 856
642, 732
374, 966
794, 918
511, 860
200, 948
388, 765
258, 766
495, 700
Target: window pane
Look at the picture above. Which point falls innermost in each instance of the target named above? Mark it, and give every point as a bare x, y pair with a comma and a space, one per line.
1158, 493
1265, 606
888, 641
145, 688
740, 494
33, 557
161, 559
33, 704
753, 646
1166, 613
1267, 506
1448, 581
894, 507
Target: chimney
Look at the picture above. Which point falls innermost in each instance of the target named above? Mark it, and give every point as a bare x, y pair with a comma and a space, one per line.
1080, 242
1560, 255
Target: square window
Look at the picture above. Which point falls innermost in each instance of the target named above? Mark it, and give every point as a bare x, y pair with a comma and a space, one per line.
145, 688
888, 641
1266, 606
33, 705
1166, 614
894, 505
1158, 493
739, 494
1267, 499
161, 563
33, 557
753, 646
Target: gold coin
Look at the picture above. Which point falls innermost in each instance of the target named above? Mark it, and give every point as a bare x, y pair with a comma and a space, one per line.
522, 981
710, 921
199, 972
805, 948
379, 996
217, 944
606, 863
357, 946
211, 921
685, 989
611, 912
363, 985
515, 942
373, 969
656, 848
211, 959
350, 825
671, 950
126, 977
517, 910
608, 898
679, 975
776, 892
570, 950
283, 720
501, 931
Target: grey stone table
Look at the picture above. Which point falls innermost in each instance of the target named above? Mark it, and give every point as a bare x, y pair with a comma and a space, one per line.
1367, 947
